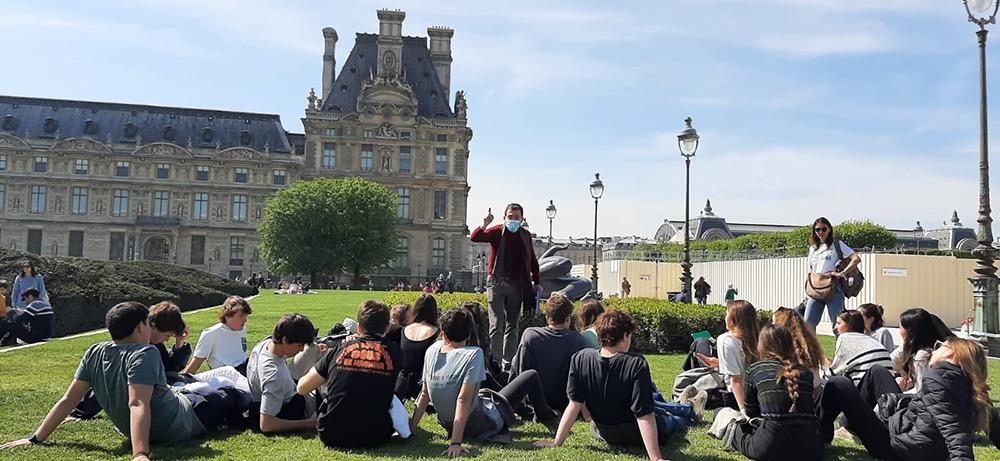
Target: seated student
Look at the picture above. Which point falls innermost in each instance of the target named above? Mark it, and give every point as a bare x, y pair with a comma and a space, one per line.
548, 350
616, 387
480, 337
415, 339
399, 317
589, 311
360, 375
779, 390
128, 381
808, 351
277, 407
920, 331
165, 322
31, 324
225, 343
856, 352
875, 324
452, 376
737, 349
938, 423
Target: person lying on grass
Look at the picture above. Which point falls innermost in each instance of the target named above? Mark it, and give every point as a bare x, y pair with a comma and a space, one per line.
130, 385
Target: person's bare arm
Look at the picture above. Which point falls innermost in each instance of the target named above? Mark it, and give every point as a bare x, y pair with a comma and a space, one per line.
139, 417
310, 382
419, 408
739, 391
195, 364
74, 393
647, 428
565, 426
270, 423
463, 408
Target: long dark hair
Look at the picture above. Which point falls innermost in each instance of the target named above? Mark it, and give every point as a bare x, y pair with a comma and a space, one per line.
874, 312
813, 240
426, 310
923, 329
854, 320
776, 343
31, 266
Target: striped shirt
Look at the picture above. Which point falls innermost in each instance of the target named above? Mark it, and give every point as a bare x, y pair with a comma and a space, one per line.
38, 318
856, 353
768, 398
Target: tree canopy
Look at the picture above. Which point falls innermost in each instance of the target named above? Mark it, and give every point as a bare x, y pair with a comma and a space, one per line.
329, 226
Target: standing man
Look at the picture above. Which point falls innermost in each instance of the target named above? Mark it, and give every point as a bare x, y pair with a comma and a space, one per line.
731, 294
626, 287
512, 269
701, 290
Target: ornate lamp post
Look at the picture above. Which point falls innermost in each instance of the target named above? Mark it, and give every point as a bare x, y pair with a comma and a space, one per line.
596, 191
687, 141
984, 283
550, 212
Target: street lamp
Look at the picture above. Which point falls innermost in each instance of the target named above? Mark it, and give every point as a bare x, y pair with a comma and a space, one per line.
917, 233
596, 191
687, 141
550, 211
984, 283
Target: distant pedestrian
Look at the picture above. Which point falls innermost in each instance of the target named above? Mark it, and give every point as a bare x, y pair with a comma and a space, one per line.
731, 294
31, 324
626, 287
28, 279
701, 290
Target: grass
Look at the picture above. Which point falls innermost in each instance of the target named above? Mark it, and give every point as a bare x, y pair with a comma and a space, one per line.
31, 380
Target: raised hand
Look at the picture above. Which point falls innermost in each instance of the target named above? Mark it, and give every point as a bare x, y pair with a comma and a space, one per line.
488, 219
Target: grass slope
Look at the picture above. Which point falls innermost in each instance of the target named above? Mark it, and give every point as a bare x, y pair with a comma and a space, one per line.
31, 380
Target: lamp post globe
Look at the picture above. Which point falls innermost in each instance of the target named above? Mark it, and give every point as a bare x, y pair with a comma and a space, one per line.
550, 212
985, 281
687, 142
596, 191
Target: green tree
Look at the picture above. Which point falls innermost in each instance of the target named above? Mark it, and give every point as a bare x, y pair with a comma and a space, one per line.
861, 234
329, 226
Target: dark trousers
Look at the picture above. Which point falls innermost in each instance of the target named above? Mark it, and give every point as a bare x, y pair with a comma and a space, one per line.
292, 410
11, 331
505, 310
88, 408
877, 381
995, 428
779, 440
214, 407
528, 385
840, 395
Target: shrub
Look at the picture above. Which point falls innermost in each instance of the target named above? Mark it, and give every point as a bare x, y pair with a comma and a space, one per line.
82, 290
664, 326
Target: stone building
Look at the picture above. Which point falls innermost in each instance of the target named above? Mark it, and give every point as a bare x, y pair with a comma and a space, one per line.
187, 186
387, 116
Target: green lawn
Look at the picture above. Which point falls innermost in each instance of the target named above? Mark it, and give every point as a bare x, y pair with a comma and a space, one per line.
31, 380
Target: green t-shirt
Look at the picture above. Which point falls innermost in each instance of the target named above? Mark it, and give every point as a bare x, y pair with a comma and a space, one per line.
730, 295
110, 368
590, 339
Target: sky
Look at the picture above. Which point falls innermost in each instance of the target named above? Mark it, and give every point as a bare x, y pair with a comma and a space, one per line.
849, 109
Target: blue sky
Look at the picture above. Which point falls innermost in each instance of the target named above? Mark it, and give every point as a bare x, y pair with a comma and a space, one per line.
849, 109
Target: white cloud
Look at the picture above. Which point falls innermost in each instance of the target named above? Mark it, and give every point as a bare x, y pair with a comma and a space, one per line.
836, 42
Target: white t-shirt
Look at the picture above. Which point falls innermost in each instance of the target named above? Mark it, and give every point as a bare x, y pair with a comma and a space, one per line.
824, 259
731, 359
271, 382
221, 346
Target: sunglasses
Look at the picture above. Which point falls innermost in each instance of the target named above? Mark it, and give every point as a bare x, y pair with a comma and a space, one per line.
821, 229
938, 344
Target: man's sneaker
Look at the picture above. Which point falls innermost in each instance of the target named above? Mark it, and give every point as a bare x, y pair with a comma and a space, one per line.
687, 394
698, 404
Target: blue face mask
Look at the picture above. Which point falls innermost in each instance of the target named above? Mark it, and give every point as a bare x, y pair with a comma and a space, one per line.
513, 226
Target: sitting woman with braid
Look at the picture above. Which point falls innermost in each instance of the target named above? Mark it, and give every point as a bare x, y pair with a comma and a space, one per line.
779, 401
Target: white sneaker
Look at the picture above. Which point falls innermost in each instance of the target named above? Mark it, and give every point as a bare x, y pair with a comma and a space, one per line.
698, 404
687, 394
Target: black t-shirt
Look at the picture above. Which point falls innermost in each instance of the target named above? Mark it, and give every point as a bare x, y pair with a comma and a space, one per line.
360, 375
616, 389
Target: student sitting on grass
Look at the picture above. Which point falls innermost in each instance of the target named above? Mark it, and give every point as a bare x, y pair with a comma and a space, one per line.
31, 324
548, 350
737, 349
415, 338
165, 322
856, 352
616, 387
453, 373
360, 375
277, 406
399, 318
128, 380
590, 310
225, 343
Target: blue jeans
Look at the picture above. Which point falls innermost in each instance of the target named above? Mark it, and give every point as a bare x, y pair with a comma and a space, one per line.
671, 418
834, 306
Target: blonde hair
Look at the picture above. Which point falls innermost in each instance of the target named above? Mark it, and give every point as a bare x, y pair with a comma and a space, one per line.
971, 358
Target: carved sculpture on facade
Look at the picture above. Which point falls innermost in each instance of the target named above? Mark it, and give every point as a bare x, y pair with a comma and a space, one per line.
461, 106
386, 130
312, 99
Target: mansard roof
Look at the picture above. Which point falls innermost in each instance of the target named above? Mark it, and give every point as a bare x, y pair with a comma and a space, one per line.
128, 123
418, 71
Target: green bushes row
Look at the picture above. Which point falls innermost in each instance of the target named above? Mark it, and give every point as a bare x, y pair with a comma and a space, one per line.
664, 326
82, 290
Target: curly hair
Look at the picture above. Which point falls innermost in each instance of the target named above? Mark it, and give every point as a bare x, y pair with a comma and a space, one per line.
807, 347
776, 344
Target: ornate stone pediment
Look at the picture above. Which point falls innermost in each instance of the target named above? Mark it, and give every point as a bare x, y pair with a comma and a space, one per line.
241, 153
162, 149
384, 93
9, 140
81, 145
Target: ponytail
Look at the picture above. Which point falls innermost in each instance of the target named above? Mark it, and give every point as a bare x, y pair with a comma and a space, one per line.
790, 375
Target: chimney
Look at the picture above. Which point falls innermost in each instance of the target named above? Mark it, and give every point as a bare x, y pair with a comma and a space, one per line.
390, 42
329, 60
441, 56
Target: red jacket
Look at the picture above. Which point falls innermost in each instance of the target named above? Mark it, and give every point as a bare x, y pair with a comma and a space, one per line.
492, 236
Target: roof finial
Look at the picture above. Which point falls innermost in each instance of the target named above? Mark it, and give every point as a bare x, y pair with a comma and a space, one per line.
708, 208
954, 219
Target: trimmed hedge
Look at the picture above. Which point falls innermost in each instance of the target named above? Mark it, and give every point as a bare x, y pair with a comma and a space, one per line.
664, 326
82, 290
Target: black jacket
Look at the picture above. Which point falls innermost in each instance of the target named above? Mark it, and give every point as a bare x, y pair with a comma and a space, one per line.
939, 423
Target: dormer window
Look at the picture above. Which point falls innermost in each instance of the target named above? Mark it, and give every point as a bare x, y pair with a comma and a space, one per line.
9, 123
129, 130
50, 125
207, 135
245, 138
89, 127
169, 133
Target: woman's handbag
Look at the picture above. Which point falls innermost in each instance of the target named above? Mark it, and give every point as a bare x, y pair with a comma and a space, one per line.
820, 287
853, 281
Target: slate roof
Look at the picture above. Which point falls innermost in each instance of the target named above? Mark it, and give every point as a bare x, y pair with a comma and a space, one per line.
417, 68
126, 123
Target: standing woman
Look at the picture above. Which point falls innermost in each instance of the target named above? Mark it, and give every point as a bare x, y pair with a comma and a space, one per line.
28, 279
823, 259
